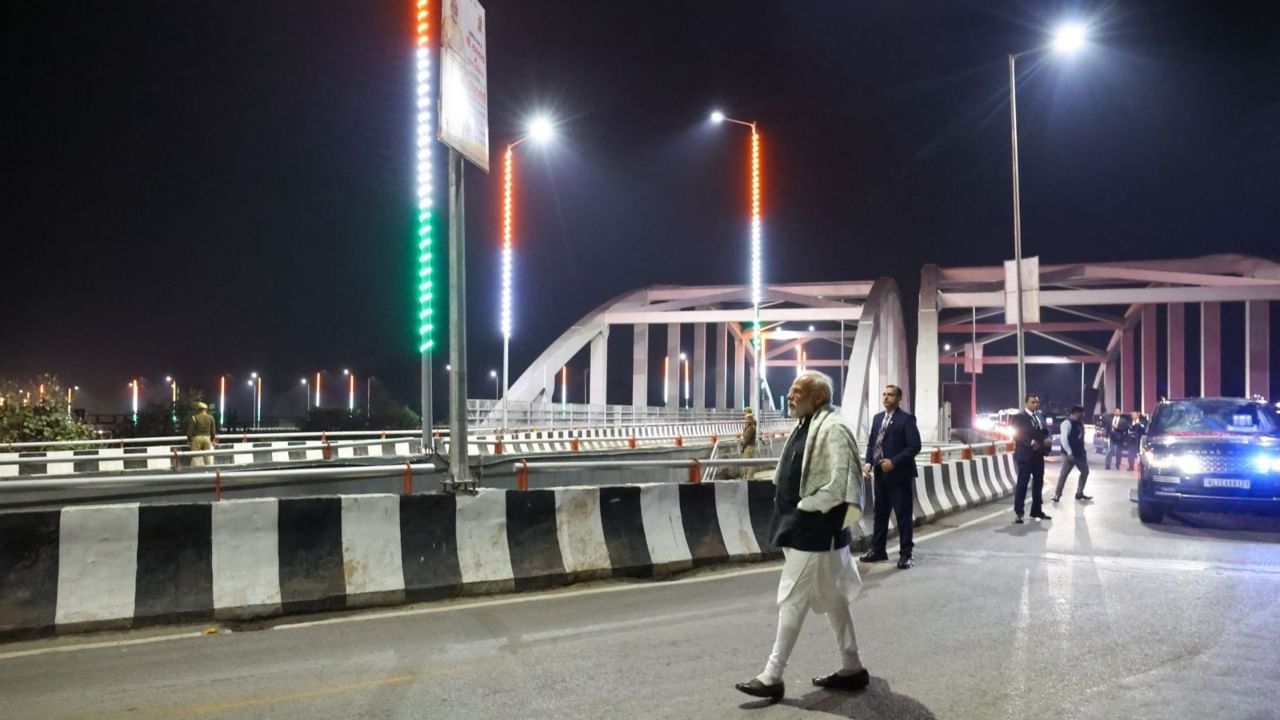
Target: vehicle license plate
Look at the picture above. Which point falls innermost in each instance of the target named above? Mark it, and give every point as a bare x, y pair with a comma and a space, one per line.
1226, 483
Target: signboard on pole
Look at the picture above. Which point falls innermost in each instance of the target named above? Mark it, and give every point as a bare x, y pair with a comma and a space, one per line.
973, 358
1030, 291
464, 93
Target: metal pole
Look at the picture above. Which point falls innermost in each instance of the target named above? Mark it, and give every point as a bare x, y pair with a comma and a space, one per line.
459, 472
973, 369
1017, 227
368, 396
1081, 384
427, 410
843, 363
506, 378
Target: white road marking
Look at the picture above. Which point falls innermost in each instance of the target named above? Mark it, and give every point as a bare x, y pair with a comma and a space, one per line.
106, 644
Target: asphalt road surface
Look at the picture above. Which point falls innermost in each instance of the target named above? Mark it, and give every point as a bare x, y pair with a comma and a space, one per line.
1090, 615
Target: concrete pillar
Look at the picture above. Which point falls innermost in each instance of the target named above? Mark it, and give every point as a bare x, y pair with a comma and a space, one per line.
722, 366
754, 388
599, 379
640, 367
1149, 389
1177, 351
739, 374
1128, 367
699, 366
1109, 377
1210, 349
1257, 348
928, 399
753, 379
673, 365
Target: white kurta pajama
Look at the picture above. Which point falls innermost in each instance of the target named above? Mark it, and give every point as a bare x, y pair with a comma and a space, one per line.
825, 582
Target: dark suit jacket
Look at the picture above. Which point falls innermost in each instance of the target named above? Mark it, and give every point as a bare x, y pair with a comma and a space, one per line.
901, 443
1024, 431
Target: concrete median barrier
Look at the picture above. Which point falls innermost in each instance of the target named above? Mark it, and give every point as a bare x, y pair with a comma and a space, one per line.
128, 565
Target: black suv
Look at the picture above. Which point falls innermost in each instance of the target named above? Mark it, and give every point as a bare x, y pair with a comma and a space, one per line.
1210, 454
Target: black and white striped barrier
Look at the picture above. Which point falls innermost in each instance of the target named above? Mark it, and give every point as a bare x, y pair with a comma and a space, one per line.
117, 566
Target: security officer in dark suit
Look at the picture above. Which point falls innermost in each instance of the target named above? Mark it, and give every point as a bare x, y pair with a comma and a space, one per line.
1031, 444
891, 461
1133, 441
1117, 436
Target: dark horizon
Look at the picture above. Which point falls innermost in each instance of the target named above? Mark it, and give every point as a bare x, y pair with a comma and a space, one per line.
198, 190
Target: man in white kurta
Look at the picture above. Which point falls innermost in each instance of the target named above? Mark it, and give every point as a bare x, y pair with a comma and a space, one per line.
818, 498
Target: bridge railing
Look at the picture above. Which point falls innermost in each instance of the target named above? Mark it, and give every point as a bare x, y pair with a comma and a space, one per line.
525, 414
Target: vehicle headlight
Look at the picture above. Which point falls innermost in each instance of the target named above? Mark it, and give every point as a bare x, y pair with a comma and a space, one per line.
1266, 463
1186, 464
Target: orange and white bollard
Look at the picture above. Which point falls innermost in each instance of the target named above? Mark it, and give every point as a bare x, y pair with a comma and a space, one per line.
408, 479
695, 471
574, 445
632, 442
679, 441
327, 453
497, 446
217, 485
935, 457
522, 475
967, 453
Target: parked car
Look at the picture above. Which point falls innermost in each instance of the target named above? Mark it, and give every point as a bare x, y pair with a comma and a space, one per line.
1210, 454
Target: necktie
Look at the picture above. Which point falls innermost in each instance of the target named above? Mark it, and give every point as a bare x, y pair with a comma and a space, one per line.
884, 425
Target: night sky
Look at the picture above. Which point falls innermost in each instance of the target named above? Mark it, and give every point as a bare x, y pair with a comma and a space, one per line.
206, 188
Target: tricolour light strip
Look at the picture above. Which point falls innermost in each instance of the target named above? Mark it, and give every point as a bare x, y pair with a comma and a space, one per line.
757, 274
422, 53
507, 224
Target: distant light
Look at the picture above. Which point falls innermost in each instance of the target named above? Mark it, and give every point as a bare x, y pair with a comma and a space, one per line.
168, 378
717, 117
946, 347
493, 373
346, 371
253, 375
810, 328
303, 381
448, 368
682, 357
1069, 38
541, 129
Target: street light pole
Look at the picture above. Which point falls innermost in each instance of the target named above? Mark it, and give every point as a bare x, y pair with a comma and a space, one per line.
757, 272
1017, 227
1068, 38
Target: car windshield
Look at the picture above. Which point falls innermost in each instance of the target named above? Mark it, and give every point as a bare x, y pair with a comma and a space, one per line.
1215, 416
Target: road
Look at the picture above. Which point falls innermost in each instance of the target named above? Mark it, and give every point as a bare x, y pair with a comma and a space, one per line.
1090, 615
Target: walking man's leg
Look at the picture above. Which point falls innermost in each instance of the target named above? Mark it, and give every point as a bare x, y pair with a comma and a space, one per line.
1067, 462
1082, 464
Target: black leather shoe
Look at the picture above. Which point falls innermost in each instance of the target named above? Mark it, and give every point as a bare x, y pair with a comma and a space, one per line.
836, 681
1017, 520
755, 688
1041, 516
873, 556
1056, 498
906, 563
1084, 497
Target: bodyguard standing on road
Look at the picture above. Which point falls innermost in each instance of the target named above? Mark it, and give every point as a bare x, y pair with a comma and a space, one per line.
202, 433
1031, 445
1117, 436
1133, 442
748, 442
891, 461
818, 497
1073, 454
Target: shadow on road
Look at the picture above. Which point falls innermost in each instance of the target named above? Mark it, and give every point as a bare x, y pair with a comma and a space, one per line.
878, 702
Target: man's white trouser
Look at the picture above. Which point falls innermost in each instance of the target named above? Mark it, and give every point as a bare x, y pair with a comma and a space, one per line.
825, 582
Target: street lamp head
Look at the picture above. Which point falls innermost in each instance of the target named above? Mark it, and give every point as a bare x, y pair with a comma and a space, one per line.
345, 371
253, 375
1069, 38
493, 373
946, 346
810, 328
717, 116
303, 381
682, 357
168, 378
541, 129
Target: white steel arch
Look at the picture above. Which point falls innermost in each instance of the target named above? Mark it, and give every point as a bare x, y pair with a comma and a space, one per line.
869, 315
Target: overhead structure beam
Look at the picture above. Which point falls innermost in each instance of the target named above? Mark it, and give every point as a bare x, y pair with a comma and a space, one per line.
743, 315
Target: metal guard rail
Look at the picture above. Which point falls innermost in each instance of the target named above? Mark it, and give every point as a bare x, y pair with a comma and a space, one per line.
214, 478
326, 447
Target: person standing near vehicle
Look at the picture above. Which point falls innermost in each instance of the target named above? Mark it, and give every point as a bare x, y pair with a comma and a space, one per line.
1031, 444
1133, 440
1071, 434
1117, 432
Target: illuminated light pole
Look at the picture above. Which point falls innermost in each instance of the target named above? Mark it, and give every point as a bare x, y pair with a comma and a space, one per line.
757, 272
1068, 39
256, 383
317, 389
540, 130
222, 400
134, 385
684, 361
368, 395
799, 360
351, 391
425, 139
564, 389
306, 392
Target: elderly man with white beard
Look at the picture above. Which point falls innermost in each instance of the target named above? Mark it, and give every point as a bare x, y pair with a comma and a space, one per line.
818, 498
